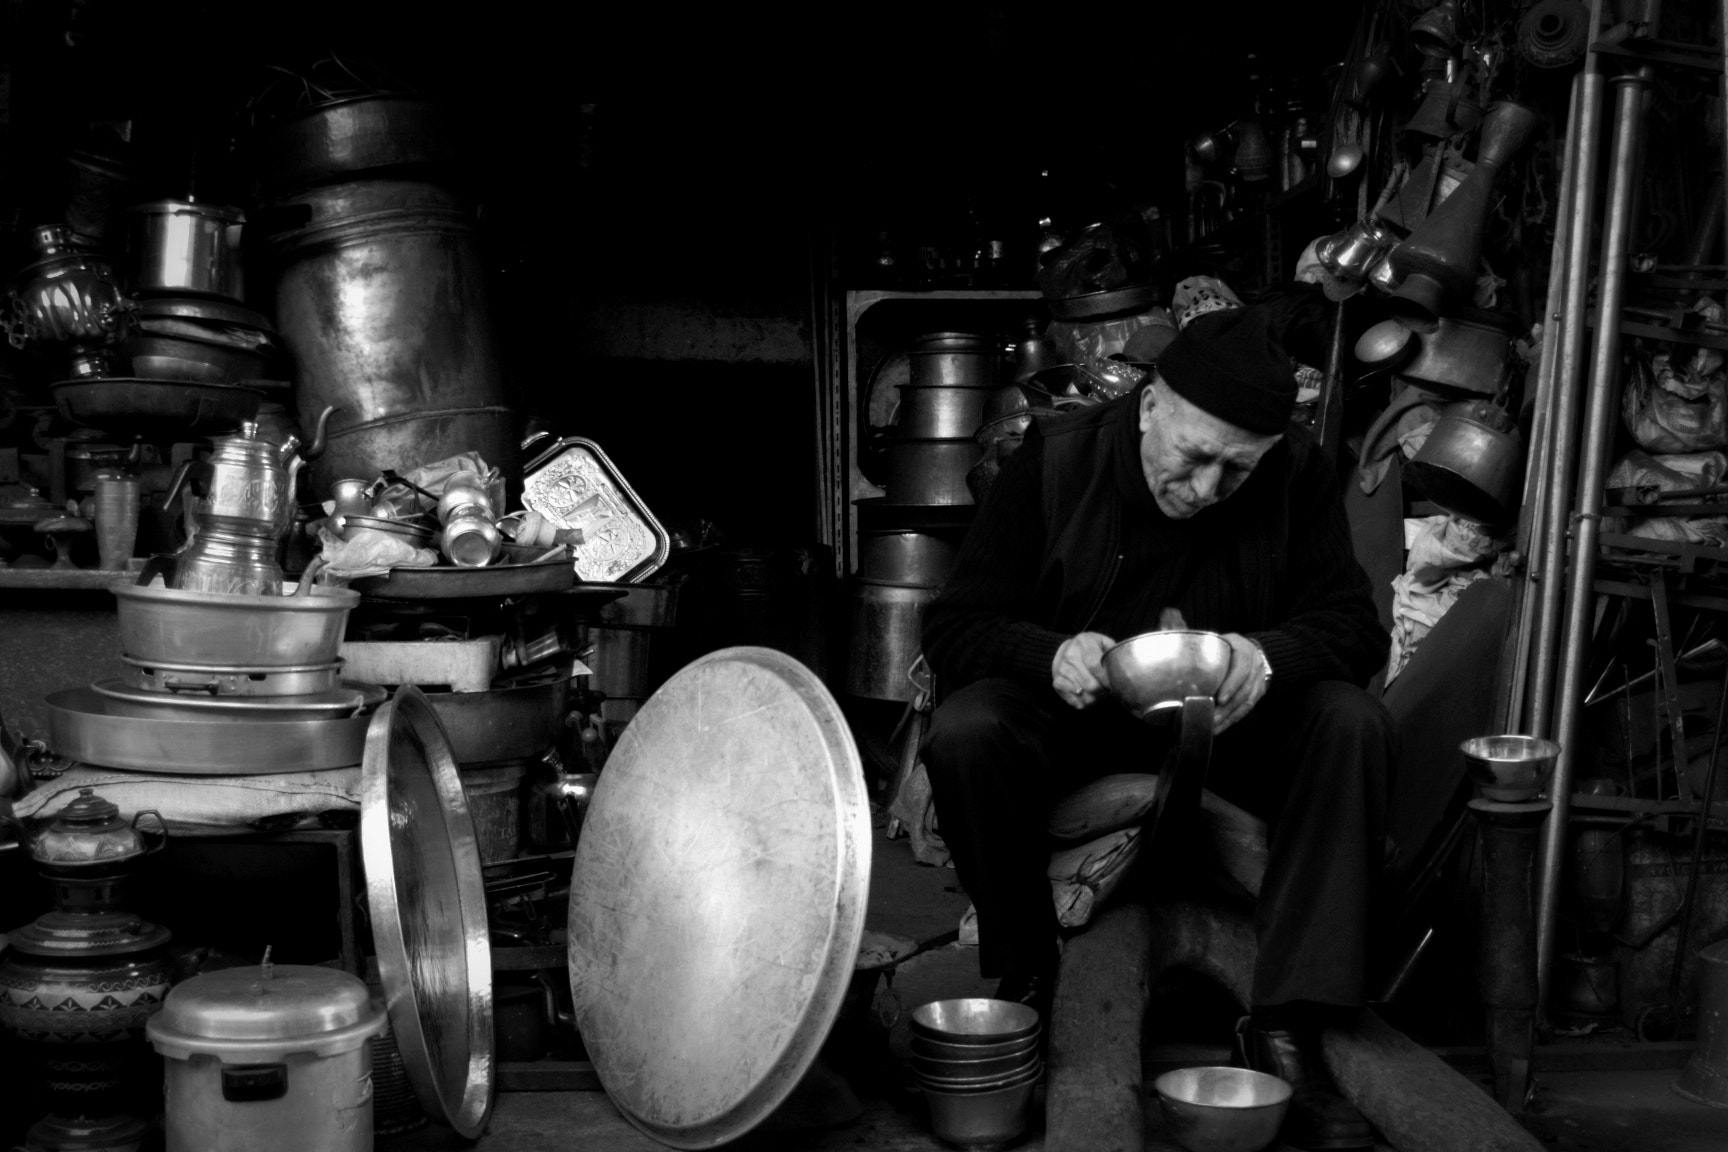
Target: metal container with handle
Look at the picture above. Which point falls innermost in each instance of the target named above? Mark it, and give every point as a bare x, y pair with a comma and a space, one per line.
272, 1058
887, 621
179, 246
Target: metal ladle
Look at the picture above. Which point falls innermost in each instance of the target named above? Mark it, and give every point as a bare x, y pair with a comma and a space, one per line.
1345, 159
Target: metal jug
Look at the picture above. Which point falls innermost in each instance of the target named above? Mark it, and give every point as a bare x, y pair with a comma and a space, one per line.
247, 484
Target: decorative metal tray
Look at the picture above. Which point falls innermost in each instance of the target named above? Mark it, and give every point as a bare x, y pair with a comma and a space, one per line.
718, 894
575, 485
93, 729
428, 902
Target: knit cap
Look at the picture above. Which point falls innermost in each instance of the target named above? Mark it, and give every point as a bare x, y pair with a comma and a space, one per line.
1232, 364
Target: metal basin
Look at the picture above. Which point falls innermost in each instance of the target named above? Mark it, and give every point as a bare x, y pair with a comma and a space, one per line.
992, 1119
503, 723
973, 1073
1156, 671
976, 1020
1222, 1109
175, 626
1510, 768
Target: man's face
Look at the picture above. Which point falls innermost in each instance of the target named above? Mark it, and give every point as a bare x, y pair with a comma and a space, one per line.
1190, 458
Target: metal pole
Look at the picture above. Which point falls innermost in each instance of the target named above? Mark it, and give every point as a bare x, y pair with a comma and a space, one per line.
1598, 437
1551, 555
1515, 660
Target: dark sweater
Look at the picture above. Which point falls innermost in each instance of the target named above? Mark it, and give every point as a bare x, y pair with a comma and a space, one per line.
1069, 540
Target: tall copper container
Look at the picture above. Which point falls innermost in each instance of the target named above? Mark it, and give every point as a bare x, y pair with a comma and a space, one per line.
381, 304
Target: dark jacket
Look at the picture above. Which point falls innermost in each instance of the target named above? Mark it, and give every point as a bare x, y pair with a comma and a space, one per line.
1272, 561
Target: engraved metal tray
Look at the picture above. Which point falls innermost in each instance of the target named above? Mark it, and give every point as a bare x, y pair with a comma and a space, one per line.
574, 485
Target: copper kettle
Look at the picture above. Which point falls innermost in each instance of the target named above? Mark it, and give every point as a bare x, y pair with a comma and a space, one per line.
247, 484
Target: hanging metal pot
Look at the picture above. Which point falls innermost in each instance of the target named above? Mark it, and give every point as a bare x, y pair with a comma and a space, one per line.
1472, 463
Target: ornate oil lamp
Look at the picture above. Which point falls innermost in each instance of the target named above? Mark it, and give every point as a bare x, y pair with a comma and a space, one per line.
78, 983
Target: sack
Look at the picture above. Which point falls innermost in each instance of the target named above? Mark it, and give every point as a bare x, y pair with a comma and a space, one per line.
1673, 409
1083, 878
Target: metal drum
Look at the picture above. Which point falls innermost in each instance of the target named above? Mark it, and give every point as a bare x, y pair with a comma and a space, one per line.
918, 558
953, 360
939, 413
887, 620
381, 303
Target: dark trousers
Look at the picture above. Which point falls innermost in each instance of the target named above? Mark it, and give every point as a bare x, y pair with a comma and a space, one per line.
1313, 761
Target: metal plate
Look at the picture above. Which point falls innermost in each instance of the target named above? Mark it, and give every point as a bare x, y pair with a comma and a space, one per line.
87, 727
447, 582
718, 896
347, 699
575, 485
139, 405
428, 903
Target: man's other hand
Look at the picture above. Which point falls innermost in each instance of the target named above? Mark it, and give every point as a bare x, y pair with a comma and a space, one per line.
1077, 673
1243, 685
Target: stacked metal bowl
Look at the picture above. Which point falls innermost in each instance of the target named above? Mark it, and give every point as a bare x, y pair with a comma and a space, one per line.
977, 1062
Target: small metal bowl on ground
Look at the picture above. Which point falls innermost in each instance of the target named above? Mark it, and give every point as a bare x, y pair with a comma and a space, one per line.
1156, 671
1030, 1070
931, 1049
1510, 769
975, 1070
977, 1020
1222, 1109
994, 1118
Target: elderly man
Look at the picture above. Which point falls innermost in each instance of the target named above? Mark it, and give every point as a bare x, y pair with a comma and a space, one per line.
1195, 494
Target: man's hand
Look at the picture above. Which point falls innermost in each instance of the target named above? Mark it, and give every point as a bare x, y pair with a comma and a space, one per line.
1243, 685
1077, 673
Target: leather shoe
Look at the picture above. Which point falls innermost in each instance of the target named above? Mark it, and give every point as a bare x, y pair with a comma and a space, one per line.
1319, 1119
1037, 989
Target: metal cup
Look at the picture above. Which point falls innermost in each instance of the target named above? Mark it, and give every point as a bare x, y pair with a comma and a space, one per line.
350, 499
116, 515
470, 539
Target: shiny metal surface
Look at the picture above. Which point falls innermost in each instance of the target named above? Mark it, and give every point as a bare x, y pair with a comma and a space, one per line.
381, 304
928, 471
1470, 467
265, 1002
502, 723
68, 293
994, 1118
87, 727
348, 137
928, 1048
231, 680
939, 413
978, 1070
1509, 768
1222, 1109
1156, 671
216, 561
470, 539
718, 896
449, 582
918, 558
178, 246
428, 906
884, 639
348, 699
170, 626
975, 1020
165, 356
952, 360
1462, 354
574, 484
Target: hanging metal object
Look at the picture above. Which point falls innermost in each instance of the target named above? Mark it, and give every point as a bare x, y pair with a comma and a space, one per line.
1435, 32
1554, 33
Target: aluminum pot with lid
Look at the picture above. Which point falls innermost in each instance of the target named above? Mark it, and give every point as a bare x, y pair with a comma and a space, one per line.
272, 1058
179, 246
953, 360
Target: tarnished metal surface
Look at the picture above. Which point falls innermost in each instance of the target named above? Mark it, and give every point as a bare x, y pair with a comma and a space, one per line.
85, 726
428, 905
575, 485
168, 625
502, 723
449, 582
718, 896
884, 638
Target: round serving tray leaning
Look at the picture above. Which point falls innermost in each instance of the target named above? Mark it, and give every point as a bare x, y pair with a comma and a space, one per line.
718, 896
427, 898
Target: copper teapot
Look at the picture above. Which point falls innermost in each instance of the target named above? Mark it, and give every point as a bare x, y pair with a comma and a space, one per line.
247, 484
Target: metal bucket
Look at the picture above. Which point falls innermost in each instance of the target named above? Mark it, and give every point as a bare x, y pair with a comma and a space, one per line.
494, 793
381, 304
1470, 467
929, 471
886, 623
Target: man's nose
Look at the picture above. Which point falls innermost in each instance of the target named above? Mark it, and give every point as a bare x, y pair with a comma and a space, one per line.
1205, 482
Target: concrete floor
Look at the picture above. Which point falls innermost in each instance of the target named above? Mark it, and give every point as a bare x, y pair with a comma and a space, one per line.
1574, 1112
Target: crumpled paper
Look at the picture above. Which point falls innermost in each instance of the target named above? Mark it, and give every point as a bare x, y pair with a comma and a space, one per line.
1447, 554
368, 552
435, 476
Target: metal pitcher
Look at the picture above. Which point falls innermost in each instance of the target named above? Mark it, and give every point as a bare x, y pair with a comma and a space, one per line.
247, 484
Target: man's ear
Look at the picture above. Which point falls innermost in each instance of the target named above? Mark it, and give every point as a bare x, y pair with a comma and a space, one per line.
1148, 401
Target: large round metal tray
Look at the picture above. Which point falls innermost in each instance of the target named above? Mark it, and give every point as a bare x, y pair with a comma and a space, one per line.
91, 728
447, 582
130, 403
428, 903
1097, 305
349, 698
718, 896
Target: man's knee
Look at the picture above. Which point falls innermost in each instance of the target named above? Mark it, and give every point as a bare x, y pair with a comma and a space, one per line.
975, 721
1340, 708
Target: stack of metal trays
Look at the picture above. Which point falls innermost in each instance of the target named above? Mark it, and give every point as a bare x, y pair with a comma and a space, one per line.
221, 685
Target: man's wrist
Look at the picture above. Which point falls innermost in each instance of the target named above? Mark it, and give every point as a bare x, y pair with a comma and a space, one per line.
1265, 664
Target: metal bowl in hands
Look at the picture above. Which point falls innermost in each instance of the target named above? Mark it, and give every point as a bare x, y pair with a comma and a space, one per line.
1510, 769
975, 1021
1155, 671
1222, 1109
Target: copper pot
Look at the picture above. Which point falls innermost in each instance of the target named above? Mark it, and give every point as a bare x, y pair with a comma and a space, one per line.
1472, 463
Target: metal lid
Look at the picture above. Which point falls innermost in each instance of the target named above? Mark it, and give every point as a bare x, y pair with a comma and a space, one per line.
267, 1002
932, 342
89, 830
428, 905
718, 896
219, 212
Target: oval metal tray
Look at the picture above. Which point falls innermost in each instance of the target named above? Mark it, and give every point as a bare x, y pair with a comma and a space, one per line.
427, 897
447, 582
90, 728
136, 404
348, 698
718, 895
